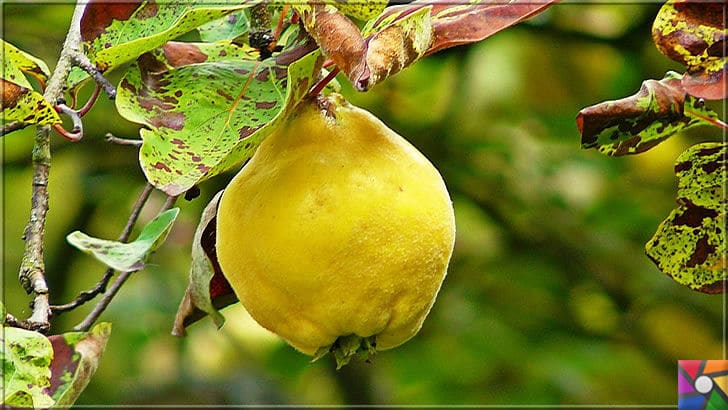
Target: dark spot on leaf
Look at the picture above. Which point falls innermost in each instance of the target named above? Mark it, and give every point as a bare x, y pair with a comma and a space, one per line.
107, 45
693, 216
178, 93
683, 166
99, 14
709, 151
224, 94
245, 131
263, 75
280, 72
148, 11
710, 167
173, 120
265, 105
125, 84
242, 71
179, 143
196, 158
149, 104
203, 168
222, 53
702, 251
161, 166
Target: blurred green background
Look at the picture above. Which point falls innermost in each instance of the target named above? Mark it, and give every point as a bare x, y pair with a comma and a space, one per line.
549, 299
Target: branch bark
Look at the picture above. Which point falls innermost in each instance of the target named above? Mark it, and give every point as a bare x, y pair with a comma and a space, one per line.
32, 268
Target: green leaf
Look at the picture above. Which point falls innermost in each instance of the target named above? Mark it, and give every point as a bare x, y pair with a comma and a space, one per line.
76, 357
690, 245
226, 28
208, 289
694, 34
127, 257
116, 33
208, 111
637, 123
26, 358
362, 10
15, 62
20, 102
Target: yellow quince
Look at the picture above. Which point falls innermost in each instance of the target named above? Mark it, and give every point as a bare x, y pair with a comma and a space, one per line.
337, 233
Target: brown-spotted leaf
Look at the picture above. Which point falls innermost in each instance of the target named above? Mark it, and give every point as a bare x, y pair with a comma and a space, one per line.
207, 106
118, 32
388, 47
26, 105
694, 34
455, 23
19, 101
639, 122
208, 290
76, 356
690, 245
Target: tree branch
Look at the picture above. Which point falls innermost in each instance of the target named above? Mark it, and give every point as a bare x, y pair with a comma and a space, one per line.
89, 320
13, 126
100, 286
32, 268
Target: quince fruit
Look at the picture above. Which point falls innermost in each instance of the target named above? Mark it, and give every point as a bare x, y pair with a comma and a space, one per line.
336, 235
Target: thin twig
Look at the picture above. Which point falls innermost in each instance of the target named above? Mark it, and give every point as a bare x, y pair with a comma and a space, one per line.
91, 100
32, 268
91, 318
86, 65
318, 87
100, 286
13, 126
123, 141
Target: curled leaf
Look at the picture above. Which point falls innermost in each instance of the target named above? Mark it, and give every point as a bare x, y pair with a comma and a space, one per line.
637, 123
76, 356
690, 245
694, 34
208, 289
26, 105
127, 257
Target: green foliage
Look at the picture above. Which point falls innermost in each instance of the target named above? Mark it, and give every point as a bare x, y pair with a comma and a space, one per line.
26, 358
690, 245
208, 114
127, 257
119, 33
20, 102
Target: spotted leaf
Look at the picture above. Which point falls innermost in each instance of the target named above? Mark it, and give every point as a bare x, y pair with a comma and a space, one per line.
637, 123
76, 356
694, 34
116, 33
455, 23
690, 245
209, 110
19, 101
226, 28
208, 290
26, 359
127, 257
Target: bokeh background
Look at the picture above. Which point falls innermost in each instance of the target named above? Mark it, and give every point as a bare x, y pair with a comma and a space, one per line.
549, 299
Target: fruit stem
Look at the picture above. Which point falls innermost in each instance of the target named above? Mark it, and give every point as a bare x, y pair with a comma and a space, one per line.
316, 89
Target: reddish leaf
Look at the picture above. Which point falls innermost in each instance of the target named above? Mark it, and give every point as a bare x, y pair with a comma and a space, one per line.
455, 23
100, 13
76, 356
208, 290
694, 34
639, 122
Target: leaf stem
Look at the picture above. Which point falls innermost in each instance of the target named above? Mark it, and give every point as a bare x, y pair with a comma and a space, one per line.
123, 141
89, 320
100, 286
32, 268
91, 100
715, 121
